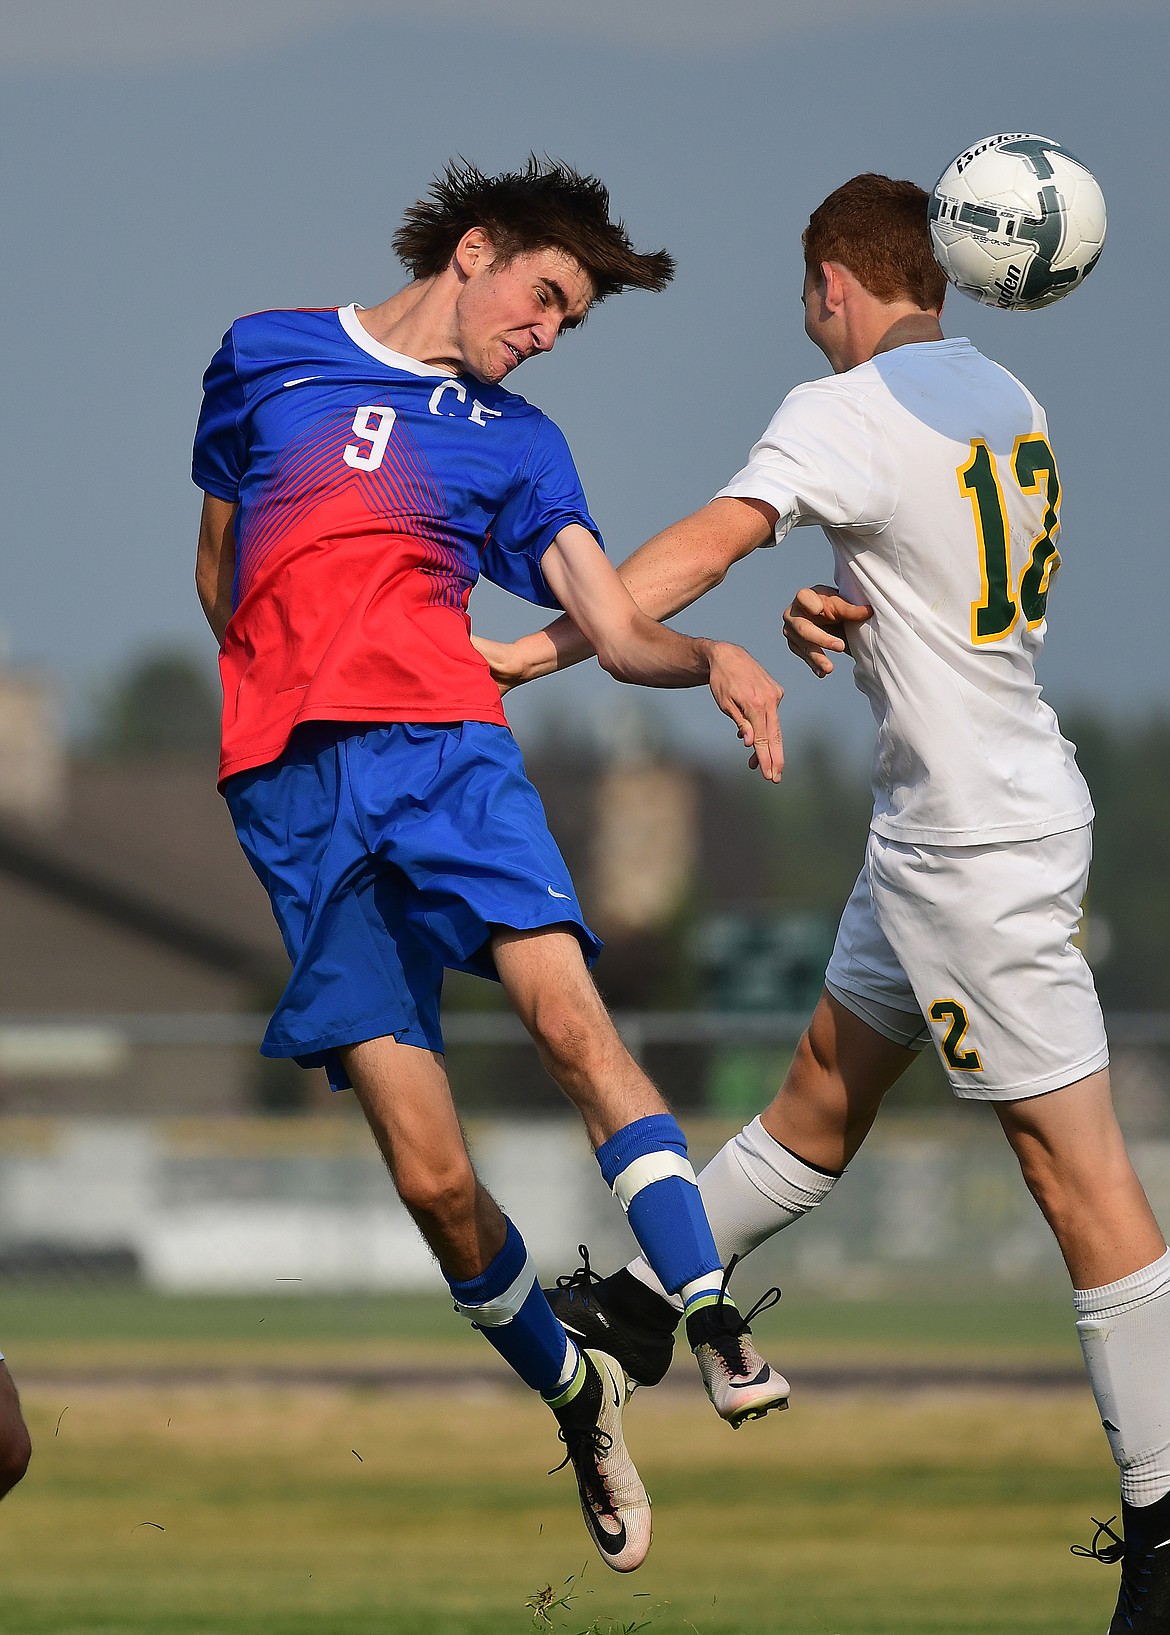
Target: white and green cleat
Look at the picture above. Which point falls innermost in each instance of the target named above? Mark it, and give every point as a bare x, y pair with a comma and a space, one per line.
614, 1503
740, 1383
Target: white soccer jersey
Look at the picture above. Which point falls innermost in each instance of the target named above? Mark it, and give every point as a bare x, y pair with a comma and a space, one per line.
930, 471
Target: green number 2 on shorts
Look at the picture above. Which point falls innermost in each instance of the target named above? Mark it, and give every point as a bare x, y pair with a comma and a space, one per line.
995, 614
949, 1010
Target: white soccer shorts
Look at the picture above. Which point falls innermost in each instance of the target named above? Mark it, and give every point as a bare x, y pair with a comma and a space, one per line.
978, 942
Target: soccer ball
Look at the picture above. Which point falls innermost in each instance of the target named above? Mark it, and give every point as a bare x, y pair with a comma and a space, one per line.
1017, 222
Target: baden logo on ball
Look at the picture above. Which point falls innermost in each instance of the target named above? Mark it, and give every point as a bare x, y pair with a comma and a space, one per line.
1017, 221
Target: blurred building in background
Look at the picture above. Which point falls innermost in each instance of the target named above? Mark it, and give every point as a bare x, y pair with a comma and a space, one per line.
138, 958
123, 894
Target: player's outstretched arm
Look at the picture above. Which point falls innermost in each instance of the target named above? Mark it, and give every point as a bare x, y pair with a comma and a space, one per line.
668, 573
815, 622
215, 562
635, 648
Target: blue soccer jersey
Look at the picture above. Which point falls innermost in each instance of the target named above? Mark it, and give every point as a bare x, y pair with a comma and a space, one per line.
373, 490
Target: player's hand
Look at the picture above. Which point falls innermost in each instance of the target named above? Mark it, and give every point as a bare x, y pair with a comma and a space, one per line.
814, 625
746, 692
503, 661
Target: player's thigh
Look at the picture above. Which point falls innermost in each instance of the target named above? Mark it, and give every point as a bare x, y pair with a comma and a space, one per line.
360, 970
452, 808
864, 1034
406, 1097
1073, 1157
840, 1074
866, 974
294, 823
986, 937
1072, 1131
544, 974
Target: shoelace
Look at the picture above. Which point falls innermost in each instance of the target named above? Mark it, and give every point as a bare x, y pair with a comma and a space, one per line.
737, 1325
582, 1278
1110, 1553
741, 1323
597, 1443
1136, 1566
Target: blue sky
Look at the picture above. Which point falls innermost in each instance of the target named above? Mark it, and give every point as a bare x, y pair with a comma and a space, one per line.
168, 167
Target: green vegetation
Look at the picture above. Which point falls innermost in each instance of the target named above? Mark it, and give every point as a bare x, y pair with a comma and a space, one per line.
163, 705
1128, 769
179, 1511
160, 1507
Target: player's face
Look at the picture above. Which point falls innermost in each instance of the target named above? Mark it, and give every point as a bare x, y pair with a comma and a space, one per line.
508, 312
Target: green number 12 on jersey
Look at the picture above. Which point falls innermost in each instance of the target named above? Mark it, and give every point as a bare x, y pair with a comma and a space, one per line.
1032, 463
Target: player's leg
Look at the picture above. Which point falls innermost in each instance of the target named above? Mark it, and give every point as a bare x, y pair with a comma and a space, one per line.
15, 1446
361, 972
491, 891
407, 1101
1074, 1161
863, 1035
642, 1153
778, 1168
1017, 1023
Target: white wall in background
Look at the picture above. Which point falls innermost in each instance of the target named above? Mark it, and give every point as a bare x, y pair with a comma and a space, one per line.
271, 1210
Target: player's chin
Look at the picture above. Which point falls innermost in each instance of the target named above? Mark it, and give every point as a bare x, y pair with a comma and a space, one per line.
489, 371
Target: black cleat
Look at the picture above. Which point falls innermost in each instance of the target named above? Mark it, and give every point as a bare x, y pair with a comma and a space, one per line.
1143, 1601
618, 1315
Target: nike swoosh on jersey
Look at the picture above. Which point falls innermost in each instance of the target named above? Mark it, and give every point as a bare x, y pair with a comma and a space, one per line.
301, 379
563, 895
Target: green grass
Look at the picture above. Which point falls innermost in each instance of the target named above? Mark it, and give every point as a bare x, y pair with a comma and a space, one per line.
286, 1509
94, 1326
249, 1512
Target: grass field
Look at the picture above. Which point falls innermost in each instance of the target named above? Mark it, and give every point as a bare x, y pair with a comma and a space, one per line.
112, 1327
172, 1509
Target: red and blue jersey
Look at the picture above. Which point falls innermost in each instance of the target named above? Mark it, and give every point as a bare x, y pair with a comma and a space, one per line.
372, 491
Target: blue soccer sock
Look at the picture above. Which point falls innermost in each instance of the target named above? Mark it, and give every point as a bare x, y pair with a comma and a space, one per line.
646, 1166
507, 1304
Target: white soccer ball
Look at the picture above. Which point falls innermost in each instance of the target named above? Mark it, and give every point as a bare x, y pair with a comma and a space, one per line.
1017, 221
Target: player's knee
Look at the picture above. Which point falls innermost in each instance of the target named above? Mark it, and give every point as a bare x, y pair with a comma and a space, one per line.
570, 1040
1062, 1190
441, 1193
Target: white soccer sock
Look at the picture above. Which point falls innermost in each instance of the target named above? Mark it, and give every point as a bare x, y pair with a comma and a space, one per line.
752, 1188
1124, 1330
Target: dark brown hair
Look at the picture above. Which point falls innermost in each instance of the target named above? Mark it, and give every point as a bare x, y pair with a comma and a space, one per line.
545, 205
878, 229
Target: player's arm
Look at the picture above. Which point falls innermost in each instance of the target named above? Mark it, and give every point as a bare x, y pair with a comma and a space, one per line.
634, 647
665, 575
815, 622
215, 562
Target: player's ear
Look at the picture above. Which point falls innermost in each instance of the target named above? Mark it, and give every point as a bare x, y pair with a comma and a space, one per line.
474, 253
832, 286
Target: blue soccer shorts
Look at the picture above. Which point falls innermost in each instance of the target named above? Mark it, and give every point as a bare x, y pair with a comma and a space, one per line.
389, 853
